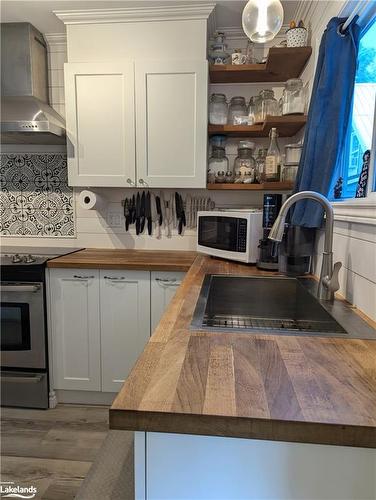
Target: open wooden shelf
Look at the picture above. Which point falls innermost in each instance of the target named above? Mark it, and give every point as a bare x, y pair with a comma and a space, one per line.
287, 126
283, 63
266, 186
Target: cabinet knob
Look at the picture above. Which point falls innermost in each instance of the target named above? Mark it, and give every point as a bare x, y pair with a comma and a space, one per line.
130, 182
143, 183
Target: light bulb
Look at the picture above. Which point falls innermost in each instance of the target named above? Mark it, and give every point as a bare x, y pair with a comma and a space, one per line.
262, 19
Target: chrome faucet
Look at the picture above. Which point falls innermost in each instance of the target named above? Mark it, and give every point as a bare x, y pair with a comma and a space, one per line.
328, 283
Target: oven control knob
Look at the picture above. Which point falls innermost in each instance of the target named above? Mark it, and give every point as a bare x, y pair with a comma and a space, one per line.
29, 259
16, 259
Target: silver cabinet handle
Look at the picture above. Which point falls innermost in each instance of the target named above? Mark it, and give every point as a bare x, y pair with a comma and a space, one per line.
29, 380
130, 182
168, 282
115, 278
77, 277
143, 183
20, 288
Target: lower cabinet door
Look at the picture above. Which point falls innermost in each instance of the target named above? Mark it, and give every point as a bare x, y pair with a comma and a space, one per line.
75, 324
125, 323
163, 288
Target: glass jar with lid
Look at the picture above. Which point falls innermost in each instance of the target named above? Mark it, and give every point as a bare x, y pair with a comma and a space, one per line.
218, 109
236, 109
269, 104
244, 164
293, 97
218, 165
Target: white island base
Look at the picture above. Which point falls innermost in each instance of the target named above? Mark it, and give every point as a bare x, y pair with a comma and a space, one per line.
183, 466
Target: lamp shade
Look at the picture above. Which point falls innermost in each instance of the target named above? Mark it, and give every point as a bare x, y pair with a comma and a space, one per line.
262, 19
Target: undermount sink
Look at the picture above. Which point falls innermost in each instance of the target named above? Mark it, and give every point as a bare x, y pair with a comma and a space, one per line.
271, 305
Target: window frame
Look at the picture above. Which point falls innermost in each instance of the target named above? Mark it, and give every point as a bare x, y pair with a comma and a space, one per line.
361, 210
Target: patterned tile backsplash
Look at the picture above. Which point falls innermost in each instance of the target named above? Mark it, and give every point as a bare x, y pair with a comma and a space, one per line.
35, 199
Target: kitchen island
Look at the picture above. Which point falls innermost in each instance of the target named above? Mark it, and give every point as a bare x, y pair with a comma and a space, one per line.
302, 409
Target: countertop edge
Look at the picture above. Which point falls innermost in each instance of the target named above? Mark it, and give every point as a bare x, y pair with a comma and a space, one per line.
244, 427
135, 267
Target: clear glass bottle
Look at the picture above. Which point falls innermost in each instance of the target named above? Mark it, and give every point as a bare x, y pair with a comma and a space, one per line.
257, 107
260, 166
293, 97
244, 164
218, 165
249, 53
237, 108
218, 109
273, 158
251, 110
269, 104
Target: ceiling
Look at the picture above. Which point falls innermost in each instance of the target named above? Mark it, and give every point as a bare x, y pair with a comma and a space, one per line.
40, 12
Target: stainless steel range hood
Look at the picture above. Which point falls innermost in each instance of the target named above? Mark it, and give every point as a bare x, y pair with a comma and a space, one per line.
26, 116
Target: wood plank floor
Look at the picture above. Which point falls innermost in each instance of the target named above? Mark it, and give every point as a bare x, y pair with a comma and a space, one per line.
52, 450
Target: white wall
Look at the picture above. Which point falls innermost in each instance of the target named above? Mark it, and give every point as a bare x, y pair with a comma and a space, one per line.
354, 243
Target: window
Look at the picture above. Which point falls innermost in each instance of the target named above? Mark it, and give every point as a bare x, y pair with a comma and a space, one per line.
361, 130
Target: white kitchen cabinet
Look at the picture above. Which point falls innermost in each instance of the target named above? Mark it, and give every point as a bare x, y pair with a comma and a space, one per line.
125, 323
163, 287
100, 123
75, 324
149, 134
171, 123
100, 321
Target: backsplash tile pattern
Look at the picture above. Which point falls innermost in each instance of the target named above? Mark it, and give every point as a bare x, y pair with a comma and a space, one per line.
35, 199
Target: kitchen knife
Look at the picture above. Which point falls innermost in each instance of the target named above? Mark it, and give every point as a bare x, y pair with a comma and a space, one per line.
138, 213
142, 213
159, 210
148, 214
178, 212
126, 213
133, 210
182, 211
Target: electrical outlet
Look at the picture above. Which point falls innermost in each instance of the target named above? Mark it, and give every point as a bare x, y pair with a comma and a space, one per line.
114, 219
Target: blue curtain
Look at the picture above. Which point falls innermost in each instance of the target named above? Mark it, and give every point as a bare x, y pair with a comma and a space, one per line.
328, 117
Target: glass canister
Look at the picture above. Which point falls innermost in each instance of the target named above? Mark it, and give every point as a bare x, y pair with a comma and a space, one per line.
236, 109
269, 104
218, 109
245, 164
217, 166
293, 97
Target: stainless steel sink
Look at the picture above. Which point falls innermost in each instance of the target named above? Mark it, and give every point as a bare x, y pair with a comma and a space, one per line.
271, 305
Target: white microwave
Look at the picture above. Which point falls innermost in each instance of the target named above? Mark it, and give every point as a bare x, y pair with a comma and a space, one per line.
230, 234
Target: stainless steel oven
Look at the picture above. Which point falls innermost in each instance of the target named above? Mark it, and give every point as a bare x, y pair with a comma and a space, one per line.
23, 339
24, 353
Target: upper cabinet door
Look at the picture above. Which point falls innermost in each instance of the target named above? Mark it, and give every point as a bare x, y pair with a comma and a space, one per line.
100, 123
171, 123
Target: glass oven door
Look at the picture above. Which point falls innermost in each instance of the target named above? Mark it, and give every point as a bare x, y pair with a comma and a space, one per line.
22, 325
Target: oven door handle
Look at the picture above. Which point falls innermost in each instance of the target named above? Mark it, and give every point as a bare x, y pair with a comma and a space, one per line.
19, 288
35, 379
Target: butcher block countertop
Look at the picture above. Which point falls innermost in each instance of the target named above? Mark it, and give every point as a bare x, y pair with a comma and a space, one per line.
149, 260
284, 388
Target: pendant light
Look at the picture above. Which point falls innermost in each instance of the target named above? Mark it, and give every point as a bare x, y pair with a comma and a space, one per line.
262, 19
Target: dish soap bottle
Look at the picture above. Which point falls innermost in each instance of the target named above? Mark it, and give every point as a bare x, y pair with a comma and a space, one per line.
273, 159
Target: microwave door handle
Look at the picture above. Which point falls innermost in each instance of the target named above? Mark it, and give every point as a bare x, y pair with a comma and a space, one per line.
19, 288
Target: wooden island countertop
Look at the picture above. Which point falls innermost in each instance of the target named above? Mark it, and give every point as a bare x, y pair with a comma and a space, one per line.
148, 260
284, 388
